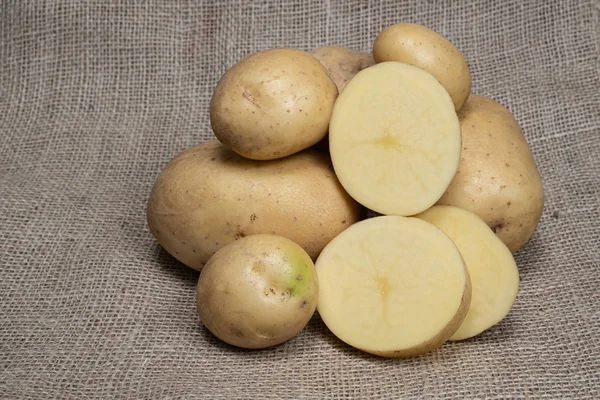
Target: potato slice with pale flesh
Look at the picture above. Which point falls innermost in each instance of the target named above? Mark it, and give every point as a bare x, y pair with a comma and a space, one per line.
394, 139
492, 268
393, 286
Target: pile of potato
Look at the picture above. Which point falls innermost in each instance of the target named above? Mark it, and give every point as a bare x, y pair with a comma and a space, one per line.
273, 212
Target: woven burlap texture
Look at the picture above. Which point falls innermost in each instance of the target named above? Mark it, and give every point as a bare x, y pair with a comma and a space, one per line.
96, 96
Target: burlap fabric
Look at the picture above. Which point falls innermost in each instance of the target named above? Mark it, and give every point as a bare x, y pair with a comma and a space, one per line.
96, 96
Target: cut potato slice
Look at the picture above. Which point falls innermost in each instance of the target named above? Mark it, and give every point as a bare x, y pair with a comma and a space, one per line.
393, 286
394, 138
492, 268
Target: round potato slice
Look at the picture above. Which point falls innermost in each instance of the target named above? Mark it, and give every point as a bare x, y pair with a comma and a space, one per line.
395, 139
492, 268
393, 286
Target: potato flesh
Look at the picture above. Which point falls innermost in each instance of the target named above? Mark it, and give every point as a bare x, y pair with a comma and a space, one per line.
392, 286
394, 139
492, 268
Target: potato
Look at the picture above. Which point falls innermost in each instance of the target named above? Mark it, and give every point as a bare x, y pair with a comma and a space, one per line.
342, 63
393, 286
272, 104
492, 268
497, 177
420, 46
257, 292
208, 196
394, 139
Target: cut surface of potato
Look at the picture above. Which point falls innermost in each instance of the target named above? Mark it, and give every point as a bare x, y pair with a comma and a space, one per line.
395, 139
392, 286
492, 268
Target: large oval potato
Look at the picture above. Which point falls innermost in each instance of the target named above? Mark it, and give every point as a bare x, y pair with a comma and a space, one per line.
258, 291
497, 177
272, 104
425, 48
209, 196
342, 63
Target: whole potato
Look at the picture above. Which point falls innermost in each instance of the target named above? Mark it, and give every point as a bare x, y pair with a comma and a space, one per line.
423, 47
257, 292
209, 196
342, 63
272, 104
497, 177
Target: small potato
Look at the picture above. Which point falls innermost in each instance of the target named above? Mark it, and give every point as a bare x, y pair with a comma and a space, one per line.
342, 63
272, 104
497, 177
209, 196
420, 46
257, 292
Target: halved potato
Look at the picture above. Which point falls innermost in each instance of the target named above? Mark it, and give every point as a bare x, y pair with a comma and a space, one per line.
394, 139
494, 273
393, 286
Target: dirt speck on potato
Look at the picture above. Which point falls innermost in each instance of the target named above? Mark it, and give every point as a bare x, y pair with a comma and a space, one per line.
236, 332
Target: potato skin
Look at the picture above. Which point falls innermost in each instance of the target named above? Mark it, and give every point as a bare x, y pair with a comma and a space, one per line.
272, 104
257, 292
209, 196
342, 63
497, 176
423, 47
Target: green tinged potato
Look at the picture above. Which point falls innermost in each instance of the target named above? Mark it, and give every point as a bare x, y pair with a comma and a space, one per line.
258, 291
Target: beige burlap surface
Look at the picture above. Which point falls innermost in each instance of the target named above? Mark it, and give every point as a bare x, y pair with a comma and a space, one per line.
96, 96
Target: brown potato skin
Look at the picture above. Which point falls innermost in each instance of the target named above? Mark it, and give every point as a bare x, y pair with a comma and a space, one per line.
342, 63
272, 104
257, 292
209, 196
425, 48
497, 176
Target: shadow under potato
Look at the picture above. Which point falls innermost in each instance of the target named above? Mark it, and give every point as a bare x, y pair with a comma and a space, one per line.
316, 326
217, 343
174, 267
